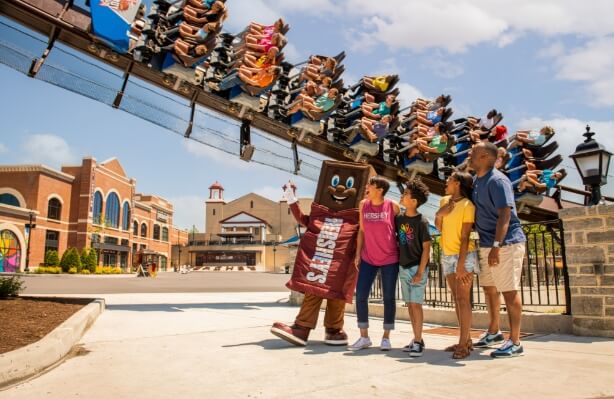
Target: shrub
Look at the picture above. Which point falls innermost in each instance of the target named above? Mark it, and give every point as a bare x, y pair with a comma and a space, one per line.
70, 259
52, 259
10, 286
72, 270
84, 271
92, 260
48, 270
85, 254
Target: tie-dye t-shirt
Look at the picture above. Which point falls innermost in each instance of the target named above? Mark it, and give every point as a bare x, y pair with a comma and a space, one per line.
411, 233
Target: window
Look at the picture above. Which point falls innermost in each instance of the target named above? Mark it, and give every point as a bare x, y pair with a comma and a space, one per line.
54, 209
164, 233
156, 232
10, 252
109, 259
112, 211
95, 238
51, 240
289, 211
143, 230
111, 240
163, 263
214, 212
9, 199
126, 216
124, 242
135, 228
97, 208
251, 204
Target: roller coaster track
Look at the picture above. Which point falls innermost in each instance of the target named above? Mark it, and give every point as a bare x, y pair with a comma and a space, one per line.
58, 20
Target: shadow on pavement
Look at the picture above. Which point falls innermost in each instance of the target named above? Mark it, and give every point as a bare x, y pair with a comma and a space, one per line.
180, 307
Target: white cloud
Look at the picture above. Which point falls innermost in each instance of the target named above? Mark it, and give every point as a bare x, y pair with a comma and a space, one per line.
3, 149
456, 26
440, 66
292, 54
188, 210
593, 64
552, 51
408, 94
47, 149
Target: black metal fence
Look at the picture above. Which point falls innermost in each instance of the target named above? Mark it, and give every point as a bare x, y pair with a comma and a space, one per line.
544, 283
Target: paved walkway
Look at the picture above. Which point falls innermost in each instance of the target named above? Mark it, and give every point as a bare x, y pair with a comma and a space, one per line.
218, 345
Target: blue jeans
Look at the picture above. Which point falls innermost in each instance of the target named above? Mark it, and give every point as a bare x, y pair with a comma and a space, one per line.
366, 276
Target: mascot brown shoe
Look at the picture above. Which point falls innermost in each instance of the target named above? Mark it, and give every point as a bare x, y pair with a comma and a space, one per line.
294, 334
335, 336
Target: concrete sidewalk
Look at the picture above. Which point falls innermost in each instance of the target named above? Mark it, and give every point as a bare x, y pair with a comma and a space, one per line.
218, 345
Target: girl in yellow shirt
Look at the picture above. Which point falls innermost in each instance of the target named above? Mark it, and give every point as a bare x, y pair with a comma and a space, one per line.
459, 261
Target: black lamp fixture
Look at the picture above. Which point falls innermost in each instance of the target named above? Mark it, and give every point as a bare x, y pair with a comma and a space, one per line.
593, 163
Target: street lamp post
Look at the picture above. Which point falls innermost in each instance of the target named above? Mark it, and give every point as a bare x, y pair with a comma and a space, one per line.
29, 226
592, 161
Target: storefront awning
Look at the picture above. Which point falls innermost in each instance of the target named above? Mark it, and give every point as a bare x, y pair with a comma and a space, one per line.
110, 247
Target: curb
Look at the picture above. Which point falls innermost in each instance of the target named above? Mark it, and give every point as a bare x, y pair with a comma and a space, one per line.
32, 359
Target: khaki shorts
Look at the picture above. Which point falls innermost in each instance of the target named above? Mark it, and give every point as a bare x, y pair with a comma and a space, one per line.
505, 276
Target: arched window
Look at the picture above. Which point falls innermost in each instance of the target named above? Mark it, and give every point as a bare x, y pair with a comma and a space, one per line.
143, 230
156, 232
164, 233
126, 216
111, 212
214, 212
54, 209
251, 204
9, 199
97, 209
135, 228
10, 252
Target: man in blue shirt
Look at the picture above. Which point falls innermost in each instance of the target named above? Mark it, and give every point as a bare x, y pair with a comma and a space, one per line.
502, 248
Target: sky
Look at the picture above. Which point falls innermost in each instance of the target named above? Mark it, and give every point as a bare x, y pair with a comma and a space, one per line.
536, 61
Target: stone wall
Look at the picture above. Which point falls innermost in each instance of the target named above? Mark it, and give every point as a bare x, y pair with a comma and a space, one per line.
589, 242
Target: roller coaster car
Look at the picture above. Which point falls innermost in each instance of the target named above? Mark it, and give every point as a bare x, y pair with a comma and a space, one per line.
113, 20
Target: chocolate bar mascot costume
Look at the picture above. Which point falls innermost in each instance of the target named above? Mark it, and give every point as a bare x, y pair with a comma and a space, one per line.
324, 266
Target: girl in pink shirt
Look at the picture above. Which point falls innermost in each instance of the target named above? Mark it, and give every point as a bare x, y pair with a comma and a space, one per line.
377, 251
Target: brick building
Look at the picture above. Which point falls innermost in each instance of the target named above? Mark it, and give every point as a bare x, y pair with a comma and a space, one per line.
248, 231
88, 205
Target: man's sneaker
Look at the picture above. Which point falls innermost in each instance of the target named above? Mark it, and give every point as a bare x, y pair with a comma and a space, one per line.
488, 339
361, 343
335, 336
508, 349
385, 345
294, 334
416, 349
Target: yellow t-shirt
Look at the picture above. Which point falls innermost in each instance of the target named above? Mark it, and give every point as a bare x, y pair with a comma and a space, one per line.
452, 225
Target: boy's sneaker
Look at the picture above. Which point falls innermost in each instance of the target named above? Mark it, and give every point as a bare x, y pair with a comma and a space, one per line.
385, 345
361, 343
416, 349
488, 339
508, 349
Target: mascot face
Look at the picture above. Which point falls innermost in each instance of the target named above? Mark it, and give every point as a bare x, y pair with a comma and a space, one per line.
342, 184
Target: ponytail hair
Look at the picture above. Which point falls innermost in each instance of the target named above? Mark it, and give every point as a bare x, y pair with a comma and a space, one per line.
466, 183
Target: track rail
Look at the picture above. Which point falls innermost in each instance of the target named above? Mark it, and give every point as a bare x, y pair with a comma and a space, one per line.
70, 25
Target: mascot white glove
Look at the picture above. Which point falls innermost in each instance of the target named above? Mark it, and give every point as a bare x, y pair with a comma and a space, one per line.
290, 192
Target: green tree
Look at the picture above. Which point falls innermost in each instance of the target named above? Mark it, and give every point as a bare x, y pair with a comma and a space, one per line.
52, 259
85, 253
70, 258
92, 260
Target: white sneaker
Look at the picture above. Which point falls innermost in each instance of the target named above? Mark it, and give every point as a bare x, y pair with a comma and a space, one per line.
361, 343
385, 345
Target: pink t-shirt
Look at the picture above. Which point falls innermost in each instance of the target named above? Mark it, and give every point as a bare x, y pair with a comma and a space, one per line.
380, 247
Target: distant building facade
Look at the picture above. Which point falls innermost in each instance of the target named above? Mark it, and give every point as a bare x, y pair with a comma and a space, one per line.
93, 205
250, 231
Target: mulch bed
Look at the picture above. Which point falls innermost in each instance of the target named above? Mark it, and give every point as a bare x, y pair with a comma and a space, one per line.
26, 320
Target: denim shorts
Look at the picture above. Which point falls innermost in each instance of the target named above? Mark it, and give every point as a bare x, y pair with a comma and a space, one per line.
413, 293
449, 262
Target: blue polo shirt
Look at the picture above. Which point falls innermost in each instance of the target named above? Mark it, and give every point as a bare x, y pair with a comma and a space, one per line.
492, 192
